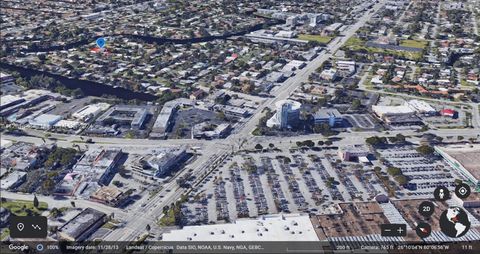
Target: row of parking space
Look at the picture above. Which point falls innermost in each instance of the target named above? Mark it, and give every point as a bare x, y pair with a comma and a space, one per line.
324, 175
258, 194
293, 186
346, 181
195, 214
221, 201
315, 191
366, 180
239, 193
273, 181
425, 173
269, 183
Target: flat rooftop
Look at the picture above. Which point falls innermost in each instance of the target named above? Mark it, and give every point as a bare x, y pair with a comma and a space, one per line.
82, 222
279, 227
409, 211
467, 155
356, 219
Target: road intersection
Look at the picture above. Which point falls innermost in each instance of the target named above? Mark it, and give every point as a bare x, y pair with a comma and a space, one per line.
149, 209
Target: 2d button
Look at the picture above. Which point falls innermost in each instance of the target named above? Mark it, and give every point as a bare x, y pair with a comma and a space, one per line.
423, 229
441, 193
426, 208
462, 191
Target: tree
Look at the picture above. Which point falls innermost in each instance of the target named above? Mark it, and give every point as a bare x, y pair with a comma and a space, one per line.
72, 203
425, 150
400, 138
356, 103
376, 141
320, 143
328, 143
35, 201
221, 115
309, 143
401, 179
258, 147
271, 145
393, 171
148, 227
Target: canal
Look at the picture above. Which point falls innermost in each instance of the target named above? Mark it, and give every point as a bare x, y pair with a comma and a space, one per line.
89, 88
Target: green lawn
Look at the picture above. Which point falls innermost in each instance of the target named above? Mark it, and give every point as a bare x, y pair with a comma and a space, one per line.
356, 44
108, 225
354, 41
313, 37
5, 233
465, 85
421, 44
17, 207
168, 219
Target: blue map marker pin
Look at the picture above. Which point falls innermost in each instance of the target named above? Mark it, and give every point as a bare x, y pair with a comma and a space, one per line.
100, 42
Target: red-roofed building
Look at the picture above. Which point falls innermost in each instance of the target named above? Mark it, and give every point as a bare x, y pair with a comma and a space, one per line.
448, 112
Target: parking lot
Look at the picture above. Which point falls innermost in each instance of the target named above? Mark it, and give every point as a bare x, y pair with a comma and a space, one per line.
186, 119
252, 184
425, 172
362, 121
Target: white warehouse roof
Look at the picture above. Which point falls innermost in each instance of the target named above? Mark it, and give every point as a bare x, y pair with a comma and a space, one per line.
420, 106
279, 227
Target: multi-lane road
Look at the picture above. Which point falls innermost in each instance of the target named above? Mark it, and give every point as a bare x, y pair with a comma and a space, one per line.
148, 210
215, 152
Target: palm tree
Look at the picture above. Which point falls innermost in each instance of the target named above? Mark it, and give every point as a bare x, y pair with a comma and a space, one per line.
35, 201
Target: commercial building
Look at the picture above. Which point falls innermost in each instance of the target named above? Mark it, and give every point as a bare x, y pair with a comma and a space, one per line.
132, 116
6, 78
82, 226
421, 107
9, 100
403, 120
95, 168
448, 112
293, 66
346, 68
45, 121
279, 227
330, 116
464, 159
13, 180
30, 98
353, 152
382, 111
108, 195
90, 111
329, 74
232, 111
397, 115
67, 124
164, 160
292, 20
331, 29
287, 115
275, 77
209, 131
22, 156
165, 118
